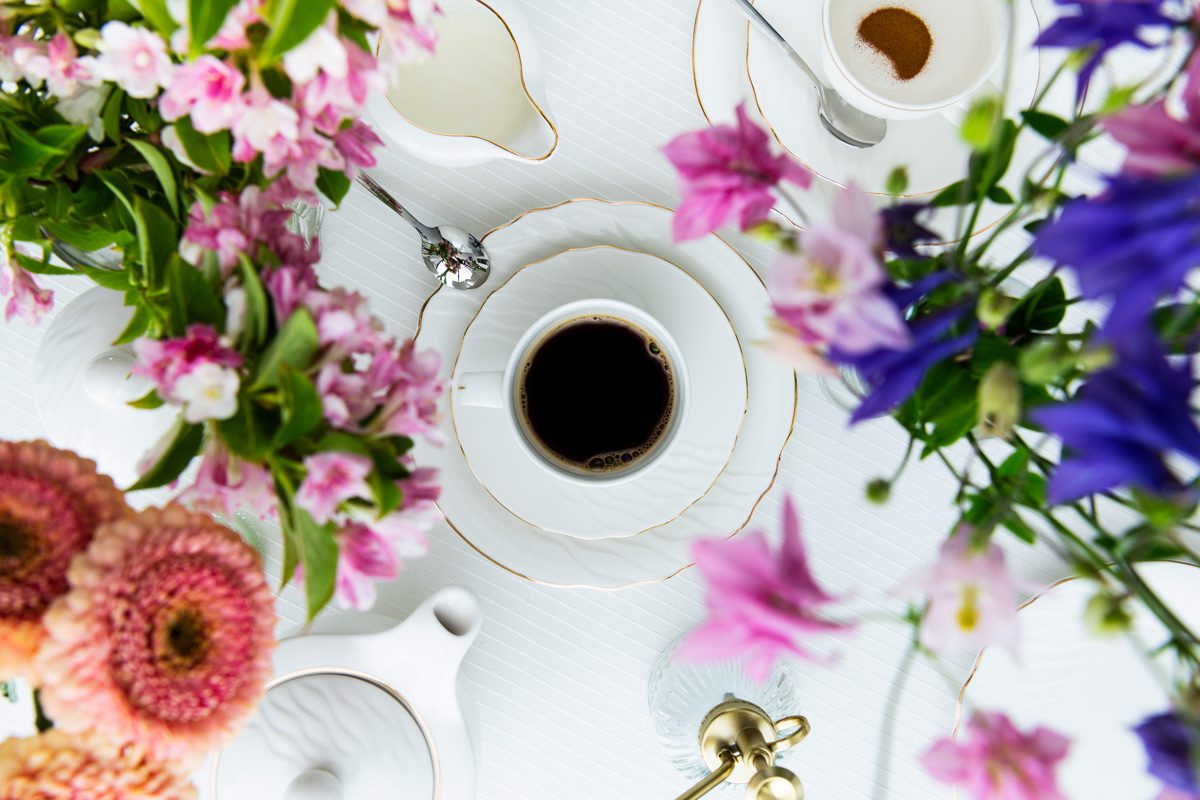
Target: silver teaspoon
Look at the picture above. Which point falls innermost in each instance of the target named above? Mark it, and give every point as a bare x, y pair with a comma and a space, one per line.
843, 120
456, 257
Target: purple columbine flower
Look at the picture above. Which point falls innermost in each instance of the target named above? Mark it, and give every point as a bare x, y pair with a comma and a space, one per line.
1173, 749
1134, 244
1121, 425
893, 375
1103, 25
902, 231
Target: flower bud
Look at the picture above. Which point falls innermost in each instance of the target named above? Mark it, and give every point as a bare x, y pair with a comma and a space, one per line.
1045, 361
999, 401
879, 490
1105, 616
993, 308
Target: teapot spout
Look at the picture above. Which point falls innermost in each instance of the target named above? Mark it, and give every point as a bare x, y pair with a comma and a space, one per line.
445, 626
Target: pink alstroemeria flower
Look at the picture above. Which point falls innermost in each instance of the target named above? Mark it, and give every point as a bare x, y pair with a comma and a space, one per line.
972, 598
207, 89
1158, 141
225, 485
762, 605
412, 393
995, 761
166, 362
833, 293
134, 58
728, 172
26, 300
332, 478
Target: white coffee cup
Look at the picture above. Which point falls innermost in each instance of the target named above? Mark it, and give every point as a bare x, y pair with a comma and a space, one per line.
499, 389
968, 42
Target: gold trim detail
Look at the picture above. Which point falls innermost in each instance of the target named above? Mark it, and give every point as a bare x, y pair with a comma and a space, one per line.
524, 87
541, 262
757, 501
434, 758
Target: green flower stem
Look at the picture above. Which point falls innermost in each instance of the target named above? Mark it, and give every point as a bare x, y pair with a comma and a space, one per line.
883, 763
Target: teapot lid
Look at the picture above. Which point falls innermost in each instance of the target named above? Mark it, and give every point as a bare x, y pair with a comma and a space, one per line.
329, 734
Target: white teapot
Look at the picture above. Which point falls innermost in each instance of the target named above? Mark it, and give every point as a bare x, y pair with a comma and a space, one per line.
361, 717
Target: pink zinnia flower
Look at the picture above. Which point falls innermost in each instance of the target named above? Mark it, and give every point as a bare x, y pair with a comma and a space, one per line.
833, 294
165, 638
972, 598
762, 605
998, 762
166, 362
51, 503
331, 479
225, 484
59, 766
1158, 141
728, 172
134, 58
209, 90
26, 300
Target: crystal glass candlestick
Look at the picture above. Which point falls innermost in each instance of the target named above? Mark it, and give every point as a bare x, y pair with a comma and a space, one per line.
682, 694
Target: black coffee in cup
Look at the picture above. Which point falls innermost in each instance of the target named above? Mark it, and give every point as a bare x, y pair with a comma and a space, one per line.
596, 395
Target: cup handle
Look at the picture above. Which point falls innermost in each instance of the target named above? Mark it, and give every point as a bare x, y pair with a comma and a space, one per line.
481, 389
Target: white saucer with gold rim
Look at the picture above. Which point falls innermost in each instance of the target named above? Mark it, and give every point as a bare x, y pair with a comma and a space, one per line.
480, 96
712, 368
536, 554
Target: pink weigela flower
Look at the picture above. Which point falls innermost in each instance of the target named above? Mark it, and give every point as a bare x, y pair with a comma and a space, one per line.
995, 761
134, 58
208, 90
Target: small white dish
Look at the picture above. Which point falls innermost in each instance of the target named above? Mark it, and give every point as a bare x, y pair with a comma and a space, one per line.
479, 97
716, 389
1091, 690
549, 558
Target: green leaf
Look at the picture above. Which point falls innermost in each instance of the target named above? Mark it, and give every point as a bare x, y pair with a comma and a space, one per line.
956, 194
158, 240
150, 400
185, 444
112, 115
1040, 310
205, 18
295, 344
319, 555
897, 181
115, 279
300, 405
1047, 125
388, 496
211, 153
39, 267
193, 300
162, 170
136, 326
1018, 526
1001, 196
248, 432
344, 443
83, 237
156, 13
291, 22
980, 125
61, 137
28, 151
291, 547
258, 308
333, 185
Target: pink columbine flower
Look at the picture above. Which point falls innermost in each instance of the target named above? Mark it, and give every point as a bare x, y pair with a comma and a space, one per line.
785, 344
1158, 141
207, 89
225, 484
134, 58
995, 761
833, 294
728, 172
762, 605
332, 478
166, 362
971, 596
26, 300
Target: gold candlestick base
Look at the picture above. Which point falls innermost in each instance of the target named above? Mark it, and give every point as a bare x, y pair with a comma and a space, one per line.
739, 742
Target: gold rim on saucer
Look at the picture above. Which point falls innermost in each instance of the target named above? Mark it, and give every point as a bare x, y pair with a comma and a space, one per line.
758, 500
308, 672
540, 262
524, 87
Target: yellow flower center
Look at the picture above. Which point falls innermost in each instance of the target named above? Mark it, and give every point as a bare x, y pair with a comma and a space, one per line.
142, 60
968, 612
825, 280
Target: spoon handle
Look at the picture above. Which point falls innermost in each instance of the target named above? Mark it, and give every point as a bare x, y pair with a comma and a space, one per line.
385, 197
755, 16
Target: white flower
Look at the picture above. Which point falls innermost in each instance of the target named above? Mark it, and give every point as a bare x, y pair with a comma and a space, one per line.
322, 51
235, 311
134, 58
209, 391
83, 108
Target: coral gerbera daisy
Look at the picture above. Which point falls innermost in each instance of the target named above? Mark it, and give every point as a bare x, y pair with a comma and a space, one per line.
165, 638
57, 765
51, 503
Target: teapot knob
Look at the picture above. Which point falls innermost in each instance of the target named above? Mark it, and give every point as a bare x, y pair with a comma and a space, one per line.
315, 784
